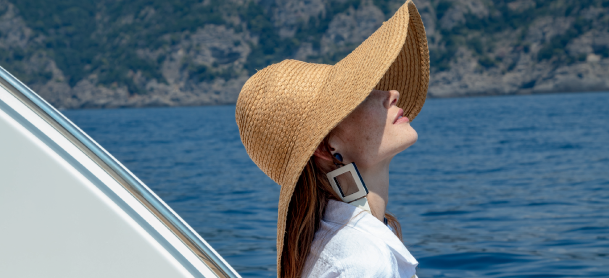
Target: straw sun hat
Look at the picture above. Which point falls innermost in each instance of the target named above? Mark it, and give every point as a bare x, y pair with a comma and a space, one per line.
286, 109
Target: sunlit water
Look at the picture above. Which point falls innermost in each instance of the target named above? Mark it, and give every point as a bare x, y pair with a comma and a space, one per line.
495, 187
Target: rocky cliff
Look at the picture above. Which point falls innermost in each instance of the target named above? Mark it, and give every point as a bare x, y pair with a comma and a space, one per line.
102, 54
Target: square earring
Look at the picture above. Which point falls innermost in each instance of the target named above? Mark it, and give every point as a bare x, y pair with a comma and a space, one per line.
348, 183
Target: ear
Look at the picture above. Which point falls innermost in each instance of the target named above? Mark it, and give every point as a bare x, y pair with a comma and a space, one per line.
322, 154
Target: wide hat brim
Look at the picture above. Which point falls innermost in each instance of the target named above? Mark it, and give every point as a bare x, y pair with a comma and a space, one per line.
285, 110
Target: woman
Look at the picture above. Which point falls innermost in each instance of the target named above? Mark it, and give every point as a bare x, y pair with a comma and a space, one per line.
300, 121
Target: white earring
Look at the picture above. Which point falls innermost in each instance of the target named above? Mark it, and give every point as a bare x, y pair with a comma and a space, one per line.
349, 185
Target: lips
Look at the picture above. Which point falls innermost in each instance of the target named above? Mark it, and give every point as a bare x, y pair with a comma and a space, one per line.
399, 118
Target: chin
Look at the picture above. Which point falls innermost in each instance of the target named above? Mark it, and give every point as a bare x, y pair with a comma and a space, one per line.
410, 138
400, 141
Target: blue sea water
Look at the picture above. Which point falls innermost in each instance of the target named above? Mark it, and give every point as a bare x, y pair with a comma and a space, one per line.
513, 186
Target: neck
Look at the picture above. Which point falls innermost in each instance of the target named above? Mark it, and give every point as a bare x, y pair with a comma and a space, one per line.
376, 178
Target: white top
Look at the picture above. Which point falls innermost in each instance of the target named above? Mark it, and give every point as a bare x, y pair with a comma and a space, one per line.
353, 243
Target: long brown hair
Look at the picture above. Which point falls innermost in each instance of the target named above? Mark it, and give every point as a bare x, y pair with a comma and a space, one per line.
307, 206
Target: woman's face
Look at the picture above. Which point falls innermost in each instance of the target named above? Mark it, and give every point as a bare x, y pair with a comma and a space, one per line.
374, 132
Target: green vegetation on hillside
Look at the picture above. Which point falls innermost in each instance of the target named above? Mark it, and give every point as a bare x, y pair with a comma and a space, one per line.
103, 37
476, 33
84, 37
273, 48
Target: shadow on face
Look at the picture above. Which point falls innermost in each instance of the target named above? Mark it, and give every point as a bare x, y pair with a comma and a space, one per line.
371, 134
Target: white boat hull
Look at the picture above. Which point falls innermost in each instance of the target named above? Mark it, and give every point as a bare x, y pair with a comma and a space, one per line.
68, 213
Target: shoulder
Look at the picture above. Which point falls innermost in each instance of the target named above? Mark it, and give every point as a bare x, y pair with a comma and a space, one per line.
344, 251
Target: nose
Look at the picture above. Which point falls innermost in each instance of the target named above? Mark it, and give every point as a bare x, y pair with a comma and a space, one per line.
392, 98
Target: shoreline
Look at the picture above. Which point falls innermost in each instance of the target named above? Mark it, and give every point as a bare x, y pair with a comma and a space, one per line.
429, 96
517, 93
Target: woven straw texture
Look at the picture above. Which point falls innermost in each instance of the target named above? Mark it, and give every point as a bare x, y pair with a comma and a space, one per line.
286, 109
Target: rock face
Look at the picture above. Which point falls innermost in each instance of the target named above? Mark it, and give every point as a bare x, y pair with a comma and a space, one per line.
100, 54
544, 53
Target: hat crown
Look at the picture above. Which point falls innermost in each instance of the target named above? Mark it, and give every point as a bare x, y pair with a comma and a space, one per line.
271, 111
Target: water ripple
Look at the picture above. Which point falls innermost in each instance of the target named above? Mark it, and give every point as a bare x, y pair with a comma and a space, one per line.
495, 187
